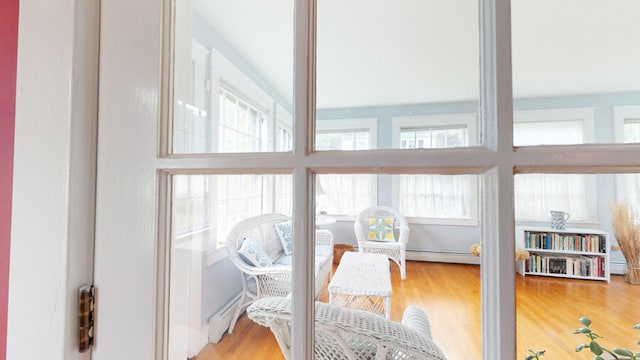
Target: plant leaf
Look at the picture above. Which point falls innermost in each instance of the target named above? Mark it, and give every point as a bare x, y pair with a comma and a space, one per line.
583, 330
530, 357
623, 352
581, 346
585, 321
595, 348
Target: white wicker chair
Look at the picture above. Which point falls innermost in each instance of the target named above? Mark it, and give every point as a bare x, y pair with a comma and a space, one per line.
395, 250
342, 333
274, 280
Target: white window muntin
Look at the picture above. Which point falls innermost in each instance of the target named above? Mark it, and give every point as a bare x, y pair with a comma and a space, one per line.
283, 130
227, 77
468, 120
242, 126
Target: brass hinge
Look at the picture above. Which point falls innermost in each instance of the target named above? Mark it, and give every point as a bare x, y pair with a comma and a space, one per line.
86, 317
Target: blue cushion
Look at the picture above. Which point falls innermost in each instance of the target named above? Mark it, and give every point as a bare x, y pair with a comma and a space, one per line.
381, 229
252, 253
285, 234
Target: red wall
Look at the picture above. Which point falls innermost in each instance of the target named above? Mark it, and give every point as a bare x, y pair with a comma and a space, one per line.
8, 59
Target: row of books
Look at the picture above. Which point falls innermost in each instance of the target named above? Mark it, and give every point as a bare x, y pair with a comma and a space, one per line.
568, 265
572, 242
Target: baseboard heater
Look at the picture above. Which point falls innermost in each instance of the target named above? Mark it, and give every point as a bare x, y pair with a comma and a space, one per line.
220, 321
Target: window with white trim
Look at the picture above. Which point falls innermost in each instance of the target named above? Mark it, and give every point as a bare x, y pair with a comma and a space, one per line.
346, 194
242, 126
537, 194
436, 198
190, 113
626, 121
206, 207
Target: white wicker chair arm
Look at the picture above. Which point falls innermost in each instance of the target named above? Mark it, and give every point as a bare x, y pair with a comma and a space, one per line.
324, 237
403, 235
413, 317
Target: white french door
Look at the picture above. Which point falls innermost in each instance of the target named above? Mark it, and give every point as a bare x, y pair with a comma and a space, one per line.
135, 167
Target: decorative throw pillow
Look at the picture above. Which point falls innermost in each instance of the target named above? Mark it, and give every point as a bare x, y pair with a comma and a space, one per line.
252, 253
285, 233
381, 228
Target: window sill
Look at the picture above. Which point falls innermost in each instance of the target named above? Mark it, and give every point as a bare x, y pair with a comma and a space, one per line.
441, 221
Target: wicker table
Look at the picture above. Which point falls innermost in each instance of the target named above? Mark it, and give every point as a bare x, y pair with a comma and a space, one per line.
362, 281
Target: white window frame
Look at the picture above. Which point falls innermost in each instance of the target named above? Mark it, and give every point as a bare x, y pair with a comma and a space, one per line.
586, 116
224, 74
620, 115
369, 124
468, 120
284, 121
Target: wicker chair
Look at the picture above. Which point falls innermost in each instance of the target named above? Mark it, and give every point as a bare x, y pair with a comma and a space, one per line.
342, 333
395, 249
273, 280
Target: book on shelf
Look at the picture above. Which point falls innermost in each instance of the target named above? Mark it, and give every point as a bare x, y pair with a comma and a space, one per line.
592, 266
565, 241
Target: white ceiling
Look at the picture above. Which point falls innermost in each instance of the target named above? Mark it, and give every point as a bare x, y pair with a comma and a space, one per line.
383, 52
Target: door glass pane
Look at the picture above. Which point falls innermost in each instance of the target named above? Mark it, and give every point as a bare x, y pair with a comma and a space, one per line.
233, 71
435, 216
386, 70
566, 241
205, 281
570, 69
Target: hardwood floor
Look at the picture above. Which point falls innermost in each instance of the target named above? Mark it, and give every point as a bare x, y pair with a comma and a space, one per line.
547, 313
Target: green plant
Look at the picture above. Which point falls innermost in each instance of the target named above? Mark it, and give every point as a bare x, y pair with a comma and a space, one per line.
598, 349
534, 354
593, 345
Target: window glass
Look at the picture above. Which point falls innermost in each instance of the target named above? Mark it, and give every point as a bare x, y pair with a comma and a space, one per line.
583, 63
209, 205
233, 81
385, 63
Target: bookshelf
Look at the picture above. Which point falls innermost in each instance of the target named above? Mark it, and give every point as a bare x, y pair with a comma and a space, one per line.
569, 253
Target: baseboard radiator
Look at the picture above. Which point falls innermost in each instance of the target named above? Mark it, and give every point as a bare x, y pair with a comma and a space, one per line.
220, 321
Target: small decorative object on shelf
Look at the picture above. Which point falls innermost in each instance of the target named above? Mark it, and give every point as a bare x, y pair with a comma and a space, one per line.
627, 232
568, 253
559, 219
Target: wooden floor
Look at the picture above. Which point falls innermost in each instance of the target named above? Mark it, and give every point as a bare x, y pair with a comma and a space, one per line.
547, 313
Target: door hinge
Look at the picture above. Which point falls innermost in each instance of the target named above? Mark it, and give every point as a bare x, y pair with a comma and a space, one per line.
86, 317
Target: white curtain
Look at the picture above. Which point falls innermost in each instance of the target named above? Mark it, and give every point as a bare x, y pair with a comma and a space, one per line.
436, 196
537, 194
346, 194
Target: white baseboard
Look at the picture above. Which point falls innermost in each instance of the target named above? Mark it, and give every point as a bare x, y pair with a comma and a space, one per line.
618, 268
443, 256
220, 321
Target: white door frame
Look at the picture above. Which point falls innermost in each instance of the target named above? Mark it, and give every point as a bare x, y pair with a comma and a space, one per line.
54, 176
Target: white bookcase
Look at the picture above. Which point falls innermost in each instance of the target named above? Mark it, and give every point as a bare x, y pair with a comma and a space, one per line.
569, 253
